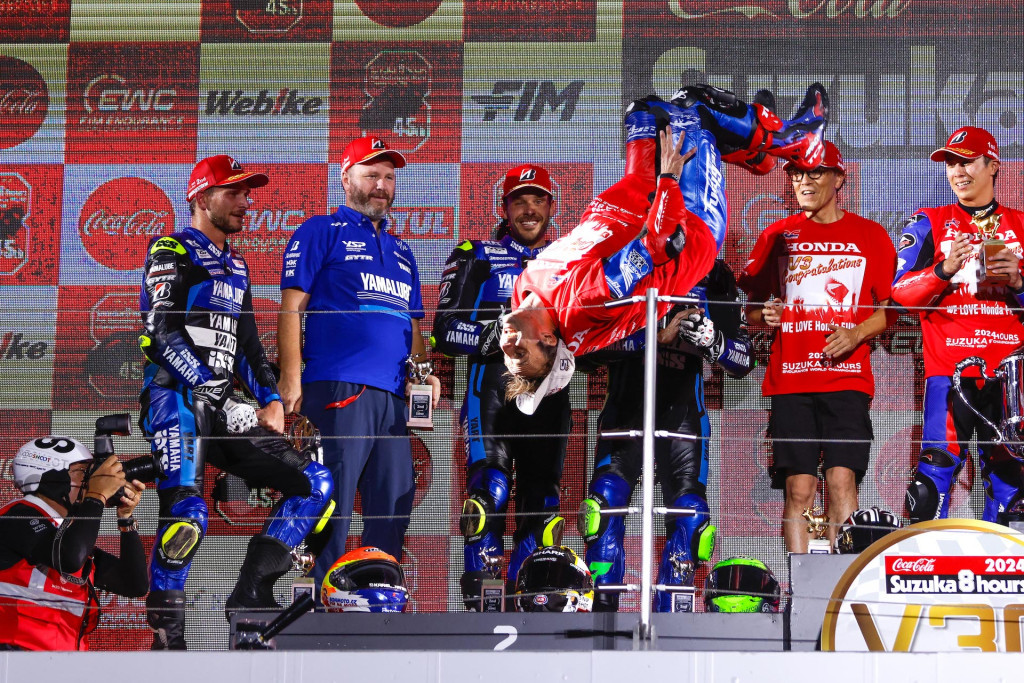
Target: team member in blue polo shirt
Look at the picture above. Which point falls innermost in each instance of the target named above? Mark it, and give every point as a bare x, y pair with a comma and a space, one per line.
361, 289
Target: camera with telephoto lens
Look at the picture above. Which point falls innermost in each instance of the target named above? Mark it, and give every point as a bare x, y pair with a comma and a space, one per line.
145, 468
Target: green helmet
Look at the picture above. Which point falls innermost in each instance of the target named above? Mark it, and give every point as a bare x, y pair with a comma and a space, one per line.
741, 584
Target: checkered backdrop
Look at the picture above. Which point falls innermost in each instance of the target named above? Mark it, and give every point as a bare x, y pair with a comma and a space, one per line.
105, 106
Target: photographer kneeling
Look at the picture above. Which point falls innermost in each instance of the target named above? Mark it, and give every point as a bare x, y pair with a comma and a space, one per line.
50, 566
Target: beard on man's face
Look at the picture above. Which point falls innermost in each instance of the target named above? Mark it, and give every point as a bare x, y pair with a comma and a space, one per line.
361, 202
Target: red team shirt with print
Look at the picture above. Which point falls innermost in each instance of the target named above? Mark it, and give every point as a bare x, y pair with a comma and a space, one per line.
963, 316
569, 275
825, 274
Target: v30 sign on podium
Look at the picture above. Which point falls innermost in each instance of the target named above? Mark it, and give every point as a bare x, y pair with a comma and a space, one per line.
941, 586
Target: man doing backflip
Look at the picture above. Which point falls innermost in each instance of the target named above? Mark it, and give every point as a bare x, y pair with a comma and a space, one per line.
964, 312
199, 336
711, 332
628, 241
475, 286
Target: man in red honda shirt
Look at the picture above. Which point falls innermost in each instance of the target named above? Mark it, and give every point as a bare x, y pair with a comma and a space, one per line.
820, 273
963, 313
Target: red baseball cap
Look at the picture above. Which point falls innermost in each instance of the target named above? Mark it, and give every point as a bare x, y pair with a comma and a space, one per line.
526, 175
833, 159
970, 143
362, 150
220, 170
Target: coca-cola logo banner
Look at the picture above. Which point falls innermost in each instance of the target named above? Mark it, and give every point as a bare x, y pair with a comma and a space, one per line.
281, 93
814, 19
110, 215
31, 88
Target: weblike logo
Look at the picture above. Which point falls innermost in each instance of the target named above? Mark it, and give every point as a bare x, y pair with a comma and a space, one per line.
268, 16
24, 101
942, 586
120, 217
398, 13
397, 83
15, 209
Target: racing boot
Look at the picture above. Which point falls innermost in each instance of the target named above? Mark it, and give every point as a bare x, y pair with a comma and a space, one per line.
642, 126
165, 613
482, 550
690, 541
756, 128
266, 560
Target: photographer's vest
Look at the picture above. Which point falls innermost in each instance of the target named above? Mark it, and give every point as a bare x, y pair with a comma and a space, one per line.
42, 609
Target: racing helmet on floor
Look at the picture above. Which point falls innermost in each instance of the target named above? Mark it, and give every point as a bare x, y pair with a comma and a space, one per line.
741, 584
365, 580
554, 579
863, 527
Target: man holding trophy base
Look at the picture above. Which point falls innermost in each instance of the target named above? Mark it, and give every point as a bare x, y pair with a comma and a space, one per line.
959, 269
359, 290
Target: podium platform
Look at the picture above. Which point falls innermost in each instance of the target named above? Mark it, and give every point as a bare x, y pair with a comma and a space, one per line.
812, 579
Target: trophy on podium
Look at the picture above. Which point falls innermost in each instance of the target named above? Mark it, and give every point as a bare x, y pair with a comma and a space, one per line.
988, 226
421, 395
817, 523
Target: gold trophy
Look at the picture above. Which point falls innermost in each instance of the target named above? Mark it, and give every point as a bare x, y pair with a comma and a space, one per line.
988, 226
817, 523
421, 395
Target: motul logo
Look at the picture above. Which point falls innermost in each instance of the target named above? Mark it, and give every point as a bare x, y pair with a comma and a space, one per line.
287, 102
918, 565
142, 222
111, 93
422, 222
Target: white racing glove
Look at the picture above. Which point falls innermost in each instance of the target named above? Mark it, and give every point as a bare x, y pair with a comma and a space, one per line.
699, 330
240, 417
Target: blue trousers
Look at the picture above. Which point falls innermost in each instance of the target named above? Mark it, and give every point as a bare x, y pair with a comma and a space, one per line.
378, 465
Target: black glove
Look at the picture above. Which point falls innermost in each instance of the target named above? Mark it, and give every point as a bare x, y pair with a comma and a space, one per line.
213, 393
490, 339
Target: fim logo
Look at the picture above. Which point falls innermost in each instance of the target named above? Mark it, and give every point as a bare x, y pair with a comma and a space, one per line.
530, 99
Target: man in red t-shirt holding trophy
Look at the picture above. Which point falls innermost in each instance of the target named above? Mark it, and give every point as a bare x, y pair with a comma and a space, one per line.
821, 280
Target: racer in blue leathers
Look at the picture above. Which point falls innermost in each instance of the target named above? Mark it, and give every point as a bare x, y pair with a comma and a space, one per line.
713, 332
476, 284
199, 336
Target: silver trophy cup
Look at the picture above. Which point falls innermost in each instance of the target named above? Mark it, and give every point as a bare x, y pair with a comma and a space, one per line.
1010, 375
